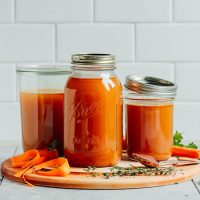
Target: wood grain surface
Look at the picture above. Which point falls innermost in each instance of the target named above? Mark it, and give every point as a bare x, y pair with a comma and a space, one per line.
79, 178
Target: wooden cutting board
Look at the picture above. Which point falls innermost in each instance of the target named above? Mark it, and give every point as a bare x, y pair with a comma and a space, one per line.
79, 178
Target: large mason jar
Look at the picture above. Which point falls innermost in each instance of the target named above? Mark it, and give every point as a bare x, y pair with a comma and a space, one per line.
41, 92
148, 111
93, 112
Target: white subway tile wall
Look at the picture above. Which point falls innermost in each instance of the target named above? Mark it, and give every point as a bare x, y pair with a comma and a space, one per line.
54, 11
7, 83
132, 10
151, 37
27, 43
168, 42
6, 11
105, 38
187, 10
161, 70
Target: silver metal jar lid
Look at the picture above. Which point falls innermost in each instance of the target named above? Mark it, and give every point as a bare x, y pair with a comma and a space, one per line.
92, 61
151, 86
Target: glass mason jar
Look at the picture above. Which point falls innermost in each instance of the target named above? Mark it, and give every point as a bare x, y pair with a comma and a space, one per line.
148, 105
41, 89
93, 112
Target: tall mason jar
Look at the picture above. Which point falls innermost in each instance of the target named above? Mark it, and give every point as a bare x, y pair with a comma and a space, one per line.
93, 112
148, 111
41, 92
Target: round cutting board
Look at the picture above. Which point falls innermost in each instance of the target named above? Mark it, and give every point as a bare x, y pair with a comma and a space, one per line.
79, 178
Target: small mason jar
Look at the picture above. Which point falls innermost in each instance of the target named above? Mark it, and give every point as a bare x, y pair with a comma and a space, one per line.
148, 105
93, 112
41, 92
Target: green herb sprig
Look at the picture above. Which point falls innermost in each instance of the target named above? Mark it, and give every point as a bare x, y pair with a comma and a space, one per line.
178, 138
133, 171
53, 145
139, 171
91, 169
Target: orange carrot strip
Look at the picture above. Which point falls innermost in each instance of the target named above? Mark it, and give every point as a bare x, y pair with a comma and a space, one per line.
40, 160
18, 164
34, 160
185, 152
22, 159
29, 163
60, 165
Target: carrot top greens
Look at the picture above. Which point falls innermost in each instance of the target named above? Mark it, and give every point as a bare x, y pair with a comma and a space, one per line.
178, 138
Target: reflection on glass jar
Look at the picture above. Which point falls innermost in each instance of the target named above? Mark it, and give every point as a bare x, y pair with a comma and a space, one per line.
42, 106
149, 116
93, 112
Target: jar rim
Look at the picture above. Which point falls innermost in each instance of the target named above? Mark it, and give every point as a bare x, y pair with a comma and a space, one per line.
93, 61
151, 86
49, 69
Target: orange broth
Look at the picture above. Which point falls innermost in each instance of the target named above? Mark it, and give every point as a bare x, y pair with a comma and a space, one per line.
149, 130
93, 121
42, 116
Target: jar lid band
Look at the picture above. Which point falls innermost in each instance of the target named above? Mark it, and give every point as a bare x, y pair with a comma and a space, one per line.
151, 86
93, 61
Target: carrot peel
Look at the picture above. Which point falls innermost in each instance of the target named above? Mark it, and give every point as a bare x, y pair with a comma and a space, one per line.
60, 167
33, 161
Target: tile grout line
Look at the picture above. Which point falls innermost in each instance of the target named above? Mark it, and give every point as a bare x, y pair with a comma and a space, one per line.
55, 42
195, 185
15, 10
171, 11
93, 11
15, 82
135, 38
190, 23
121, 62
174, 72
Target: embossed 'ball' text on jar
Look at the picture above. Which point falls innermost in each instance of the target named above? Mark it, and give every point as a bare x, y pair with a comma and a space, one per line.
93, 112
148, 111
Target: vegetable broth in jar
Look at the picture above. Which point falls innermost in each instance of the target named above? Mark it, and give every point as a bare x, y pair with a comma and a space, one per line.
149, 116
93, 112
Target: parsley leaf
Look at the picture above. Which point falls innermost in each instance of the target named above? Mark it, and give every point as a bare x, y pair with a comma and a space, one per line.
192, 145
177, 141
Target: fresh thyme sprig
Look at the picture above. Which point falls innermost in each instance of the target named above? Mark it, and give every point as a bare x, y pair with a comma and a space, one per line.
134, 171
140, 171
91, 169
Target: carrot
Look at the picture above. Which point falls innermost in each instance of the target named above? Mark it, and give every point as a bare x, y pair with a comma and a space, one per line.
35, 160
22, 159
25, 161
185, 152
60, 167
